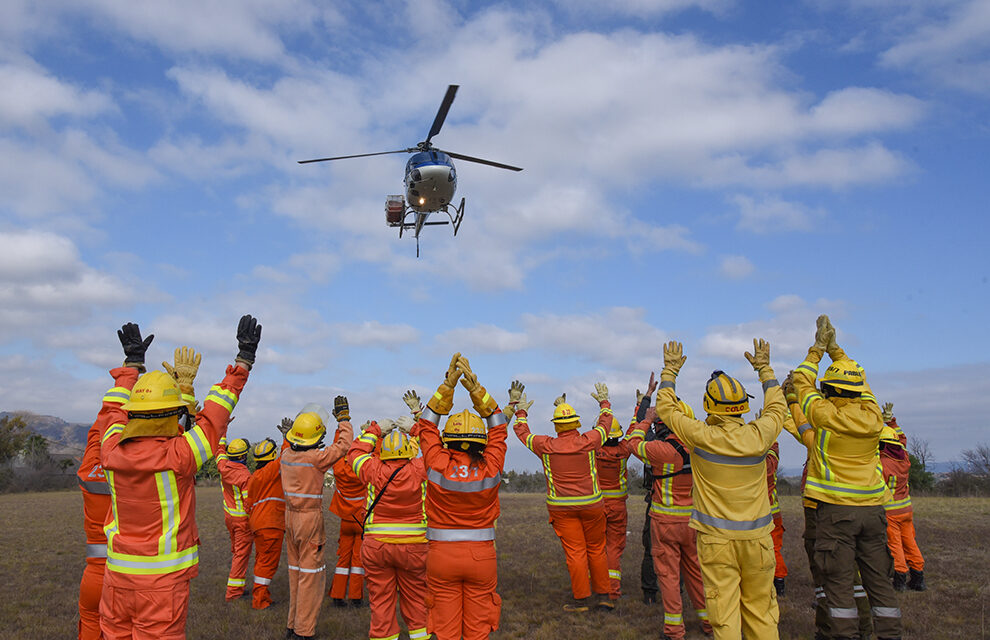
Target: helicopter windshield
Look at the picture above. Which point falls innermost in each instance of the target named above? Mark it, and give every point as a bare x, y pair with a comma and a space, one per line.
427, 158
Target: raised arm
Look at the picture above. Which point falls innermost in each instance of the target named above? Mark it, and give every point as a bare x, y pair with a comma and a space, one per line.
439, 405
361, 454
488, 409
771, 419
345, 435
668, 408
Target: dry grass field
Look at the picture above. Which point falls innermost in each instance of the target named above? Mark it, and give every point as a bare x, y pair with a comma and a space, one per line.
41, 559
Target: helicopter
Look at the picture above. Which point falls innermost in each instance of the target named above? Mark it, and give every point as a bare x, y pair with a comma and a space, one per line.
430, 180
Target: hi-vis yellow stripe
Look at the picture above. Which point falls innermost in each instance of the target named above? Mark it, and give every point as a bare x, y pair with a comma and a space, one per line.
223, 397
201, 451
115, 429
168, 500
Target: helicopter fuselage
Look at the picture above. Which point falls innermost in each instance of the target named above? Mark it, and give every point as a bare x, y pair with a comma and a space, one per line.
430, 181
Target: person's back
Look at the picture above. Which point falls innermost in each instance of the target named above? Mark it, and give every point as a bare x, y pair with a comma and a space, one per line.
265, 504
347, 503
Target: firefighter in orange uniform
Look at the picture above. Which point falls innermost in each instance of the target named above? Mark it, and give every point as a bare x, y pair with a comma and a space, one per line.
150, 466
234, 477
96, 492
304, 465
612, 479
780, 571
673, 542
574, 498
265, 504
394, 551
348, 505
464, 470
900, 514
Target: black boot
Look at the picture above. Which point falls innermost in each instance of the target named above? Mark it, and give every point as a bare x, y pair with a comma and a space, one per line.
900, 581
649, 597
917, 581
339, 602
357, 603
778, 584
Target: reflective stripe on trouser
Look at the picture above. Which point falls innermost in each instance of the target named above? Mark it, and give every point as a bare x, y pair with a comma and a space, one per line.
582, 534
903, 546
738, 579
778, 543
136, 614
850, 536
267, 553
304, 538
461, 601
90, 591
395, 570
240, 554
616, 520
348, 583
675, 556
821, 610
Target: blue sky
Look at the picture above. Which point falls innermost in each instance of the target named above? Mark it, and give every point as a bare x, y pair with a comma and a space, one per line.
703, 170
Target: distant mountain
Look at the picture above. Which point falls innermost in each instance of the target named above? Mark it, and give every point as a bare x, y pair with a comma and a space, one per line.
65, 437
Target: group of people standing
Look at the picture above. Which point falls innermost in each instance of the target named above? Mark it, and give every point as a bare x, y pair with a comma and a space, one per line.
418, 506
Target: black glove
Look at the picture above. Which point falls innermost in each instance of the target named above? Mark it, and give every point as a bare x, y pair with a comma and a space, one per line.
341, 410
644, 404
248, 337
134, 346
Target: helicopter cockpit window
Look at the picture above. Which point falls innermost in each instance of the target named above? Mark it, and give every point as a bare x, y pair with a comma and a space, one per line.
416, 176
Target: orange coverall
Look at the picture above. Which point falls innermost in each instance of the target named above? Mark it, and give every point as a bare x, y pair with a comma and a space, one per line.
574, 498
96, 505
900, 513
612, 479
302, 482
348, 505
265, 504
673, 543
773, 461
234, 477
461, 509
395, 549
152, 539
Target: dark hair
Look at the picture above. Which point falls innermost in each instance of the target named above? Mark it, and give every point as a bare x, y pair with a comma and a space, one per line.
830, 391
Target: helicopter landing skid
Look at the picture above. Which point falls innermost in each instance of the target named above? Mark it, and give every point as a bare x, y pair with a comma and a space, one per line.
454, 219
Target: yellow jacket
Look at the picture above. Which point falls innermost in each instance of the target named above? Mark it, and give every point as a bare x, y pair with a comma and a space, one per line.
728, 463
844, 463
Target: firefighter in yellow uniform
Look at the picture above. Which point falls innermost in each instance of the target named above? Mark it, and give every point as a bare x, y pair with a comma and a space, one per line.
845, 478
731, 505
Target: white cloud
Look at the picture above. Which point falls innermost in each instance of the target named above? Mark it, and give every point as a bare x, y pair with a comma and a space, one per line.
773, 214
31, 95
736, 267
644, 8
857, 110
372, 333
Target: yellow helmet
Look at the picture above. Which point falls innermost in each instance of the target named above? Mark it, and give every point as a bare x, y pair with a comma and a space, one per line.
615, 431
397, 445
238, 447
264, 451
565, 418
154, 391
463, 429
307, 429
725, 396
889, 435
845, 374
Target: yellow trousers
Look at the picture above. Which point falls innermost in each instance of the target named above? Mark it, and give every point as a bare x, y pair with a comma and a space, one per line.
738, 578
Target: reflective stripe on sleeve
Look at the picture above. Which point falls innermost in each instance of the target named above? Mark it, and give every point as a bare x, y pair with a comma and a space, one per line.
460, 535
430, 416
666, 384
96, 551
99, 487
772, 382
118, 395
199, 445
802, 428
529, 438
810, 368
358, 462
223, 397
436, 477
112, 431
808, 399
496, 420
731, 525
733, 460
368, 438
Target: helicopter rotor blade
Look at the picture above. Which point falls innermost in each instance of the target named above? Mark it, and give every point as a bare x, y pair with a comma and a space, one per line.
359, 155
490, 163
442, 111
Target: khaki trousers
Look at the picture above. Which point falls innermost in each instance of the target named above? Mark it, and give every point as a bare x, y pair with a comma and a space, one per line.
738, 578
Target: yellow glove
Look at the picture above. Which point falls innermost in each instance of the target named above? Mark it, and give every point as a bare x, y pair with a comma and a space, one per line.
516, 390
760, 359
888, 411
561, 399
523, 405
404, 424
185, 368
385, 424
673, 360
443, 400
413, 402
825, 333
601, 392
484, 404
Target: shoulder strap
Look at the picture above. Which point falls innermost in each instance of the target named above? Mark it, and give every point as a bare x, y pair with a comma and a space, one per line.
379, 496
685, 457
